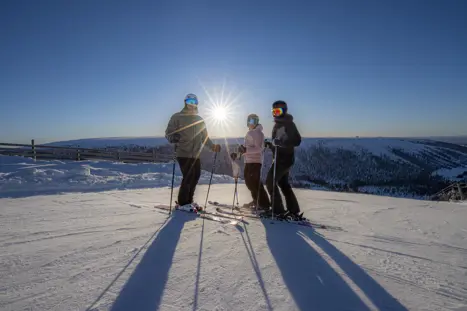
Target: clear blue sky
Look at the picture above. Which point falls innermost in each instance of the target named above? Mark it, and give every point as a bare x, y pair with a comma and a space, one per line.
87, 68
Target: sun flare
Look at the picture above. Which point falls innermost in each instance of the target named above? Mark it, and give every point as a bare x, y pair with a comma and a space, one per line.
220, 113
221, 110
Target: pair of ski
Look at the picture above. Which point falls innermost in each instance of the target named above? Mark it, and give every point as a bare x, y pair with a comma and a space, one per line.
248, 212
222, 218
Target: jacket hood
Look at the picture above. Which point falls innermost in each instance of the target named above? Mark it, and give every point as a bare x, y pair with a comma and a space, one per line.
259, 128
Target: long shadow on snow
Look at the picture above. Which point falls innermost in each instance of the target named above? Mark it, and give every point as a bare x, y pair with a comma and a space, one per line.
311, 281
144, 289
376, 293
254, 263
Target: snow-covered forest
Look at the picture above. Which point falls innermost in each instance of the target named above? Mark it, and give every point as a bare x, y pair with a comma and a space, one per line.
415, 168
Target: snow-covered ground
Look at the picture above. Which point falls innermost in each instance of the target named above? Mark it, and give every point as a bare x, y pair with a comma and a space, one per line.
391, 191
21, 177
111, 250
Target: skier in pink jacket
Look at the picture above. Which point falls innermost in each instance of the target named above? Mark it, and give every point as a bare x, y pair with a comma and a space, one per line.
252, 153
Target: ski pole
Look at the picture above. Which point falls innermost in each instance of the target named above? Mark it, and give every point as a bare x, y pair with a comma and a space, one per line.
274, 182
235, 194
210, 180
235, 174
173, 177
259, 183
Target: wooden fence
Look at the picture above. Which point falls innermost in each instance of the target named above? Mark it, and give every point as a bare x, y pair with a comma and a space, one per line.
79, 154
454, 192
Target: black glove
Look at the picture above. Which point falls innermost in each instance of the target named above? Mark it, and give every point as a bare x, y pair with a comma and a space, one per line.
267, 144
233, 156
216, 148
276, 142
174, 138
241, 149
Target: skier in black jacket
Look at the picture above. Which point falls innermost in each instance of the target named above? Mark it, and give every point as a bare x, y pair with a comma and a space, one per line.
285, 137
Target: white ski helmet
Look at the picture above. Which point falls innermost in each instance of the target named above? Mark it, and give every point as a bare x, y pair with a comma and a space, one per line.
252, 119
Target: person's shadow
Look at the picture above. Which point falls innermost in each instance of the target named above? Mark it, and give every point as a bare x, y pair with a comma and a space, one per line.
312, 282
375, 293
144, 289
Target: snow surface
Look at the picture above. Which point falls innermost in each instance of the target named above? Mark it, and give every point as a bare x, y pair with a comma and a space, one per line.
21, 176
104, 249
392, 191
113, 251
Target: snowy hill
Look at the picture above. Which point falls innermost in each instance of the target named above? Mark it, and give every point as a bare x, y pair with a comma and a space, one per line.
105, 142
420, 153
394, 166
112, 142
397, 167
114, 251
460, 139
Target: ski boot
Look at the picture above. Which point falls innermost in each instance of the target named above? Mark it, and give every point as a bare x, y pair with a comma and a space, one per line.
268, 214
190, 207
249, 205
295, 216
198, 207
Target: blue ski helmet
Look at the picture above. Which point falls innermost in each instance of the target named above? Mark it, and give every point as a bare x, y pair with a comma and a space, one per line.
191, 99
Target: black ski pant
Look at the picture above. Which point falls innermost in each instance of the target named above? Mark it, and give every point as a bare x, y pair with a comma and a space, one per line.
252, 175
282, 182
191, 171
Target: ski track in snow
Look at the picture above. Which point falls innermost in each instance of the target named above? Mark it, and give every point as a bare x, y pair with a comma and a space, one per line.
114, 251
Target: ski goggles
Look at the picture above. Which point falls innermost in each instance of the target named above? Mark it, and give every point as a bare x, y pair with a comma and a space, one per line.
277, 112
193, 101
252, 121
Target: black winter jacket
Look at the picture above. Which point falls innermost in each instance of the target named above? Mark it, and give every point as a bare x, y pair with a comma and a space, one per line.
286, 133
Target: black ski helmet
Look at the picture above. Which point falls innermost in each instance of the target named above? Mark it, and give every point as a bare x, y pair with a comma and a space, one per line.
280, 104
252, 119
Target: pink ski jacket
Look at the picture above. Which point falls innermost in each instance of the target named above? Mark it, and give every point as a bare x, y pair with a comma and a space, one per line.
254, 142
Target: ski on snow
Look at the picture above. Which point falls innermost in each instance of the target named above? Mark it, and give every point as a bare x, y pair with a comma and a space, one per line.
225, 219
246, 212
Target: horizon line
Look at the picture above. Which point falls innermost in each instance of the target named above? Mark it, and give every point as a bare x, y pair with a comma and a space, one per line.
239, 137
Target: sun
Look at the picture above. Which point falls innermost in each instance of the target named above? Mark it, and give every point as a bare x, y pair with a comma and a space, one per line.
221, 109
219, 113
